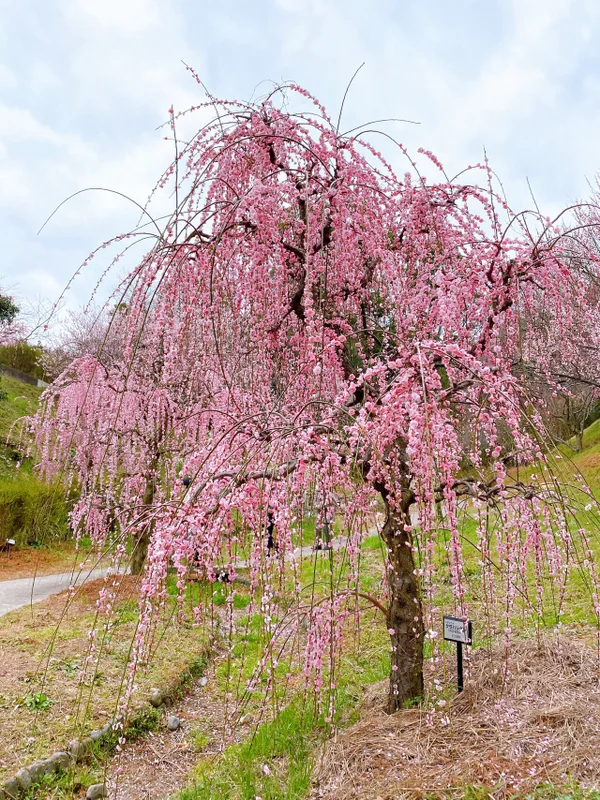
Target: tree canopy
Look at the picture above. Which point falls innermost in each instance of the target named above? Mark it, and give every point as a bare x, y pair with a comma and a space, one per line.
310, 321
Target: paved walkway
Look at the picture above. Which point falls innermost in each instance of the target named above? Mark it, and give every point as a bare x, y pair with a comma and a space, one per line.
23, 591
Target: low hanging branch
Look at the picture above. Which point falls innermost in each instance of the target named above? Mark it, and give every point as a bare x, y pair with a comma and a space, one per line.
312, 324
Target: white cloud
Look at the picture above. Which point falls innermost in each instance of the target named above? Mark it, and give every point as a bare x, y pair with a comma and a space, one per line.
520, 78
20, 124
42, 78
7, 77
120, 17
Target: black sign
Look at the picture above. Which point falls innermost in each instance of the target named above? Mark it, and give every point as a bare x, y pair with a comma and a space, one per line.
460, 631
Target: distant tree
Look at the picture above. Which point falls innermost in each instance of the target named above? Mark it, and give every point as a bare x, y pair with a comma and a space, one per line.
25, 357
564, 374
8, 310
90, 332
311, 323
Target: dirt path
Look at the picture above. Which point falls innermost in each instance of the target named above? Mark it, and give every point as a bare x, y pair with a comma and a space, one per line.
160, 763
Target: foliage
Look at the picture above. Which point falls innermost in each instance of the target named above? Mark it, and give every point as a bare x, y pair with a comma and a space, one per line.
38, 701
21, 401
23, 356
8, 310
32, 510
311, 324
11, 327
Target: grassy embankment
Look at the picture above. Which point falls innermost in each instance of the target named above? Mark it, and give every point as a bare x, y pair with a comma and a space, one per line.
56, 684
32, 512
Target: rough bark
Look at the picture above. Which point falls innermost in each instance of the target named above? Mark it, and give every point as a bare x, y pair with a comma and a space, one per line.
140, 547
405, 615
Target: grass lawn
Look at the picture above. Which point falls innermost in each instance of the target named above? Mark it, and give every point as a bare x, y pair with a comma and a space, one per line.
21, 400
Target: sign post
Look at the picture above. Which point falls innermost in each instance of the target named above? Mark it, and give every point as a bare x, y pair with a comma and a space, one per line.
460, 631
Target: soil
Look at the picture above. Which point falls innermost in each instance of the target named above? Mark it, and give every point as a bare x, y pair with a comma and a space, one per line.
160, 763
25, 562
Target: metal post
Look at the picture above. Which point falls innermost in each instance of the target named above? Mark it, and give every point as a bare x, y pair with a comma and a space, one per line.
459, 665
326, 536
271, 545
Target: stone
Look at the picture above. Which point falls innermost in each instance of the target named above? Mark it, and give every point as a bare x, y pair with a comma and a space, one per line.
77, 749
203, 681
23, 778
156, 698
173, 723
95, 736
12, 789
95, 791
49, 766
38, 769
106, 729
61, 760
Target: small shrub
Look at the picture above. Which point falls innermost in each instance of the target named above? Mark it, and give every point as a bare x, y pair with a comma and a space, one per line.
198, 739
147, 720
38, 701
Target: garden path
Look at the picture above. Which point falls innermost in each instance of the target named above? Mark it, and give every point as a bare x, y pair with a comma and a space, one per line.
23, 591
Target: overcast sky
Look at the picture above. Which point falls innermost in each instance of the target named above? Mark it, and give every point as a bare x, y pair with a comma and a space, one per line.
84, 84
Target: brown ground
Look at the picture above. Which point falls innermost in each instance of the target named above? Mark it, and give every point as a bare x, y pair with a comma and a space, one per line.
23, 562
541, 727
589, 461
159, 764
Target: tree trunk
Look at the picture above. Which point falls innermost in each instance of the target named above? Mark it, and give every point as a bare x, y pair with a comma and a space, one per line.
140, 547
140, 551
405, 615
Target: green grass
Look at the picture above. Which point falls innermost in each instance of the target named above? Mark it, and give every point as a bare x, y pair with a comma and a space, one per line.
277, 762
568, 465
546, 791
274, 764
32, 511
21, 400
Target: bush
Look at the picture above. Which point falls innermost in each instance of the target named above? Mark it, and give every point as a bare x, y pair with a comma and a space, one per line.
32, 511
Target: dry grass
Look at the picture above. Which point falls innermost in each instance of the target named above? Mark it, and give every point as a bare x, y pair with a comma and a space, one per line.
538, 724
44, 647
